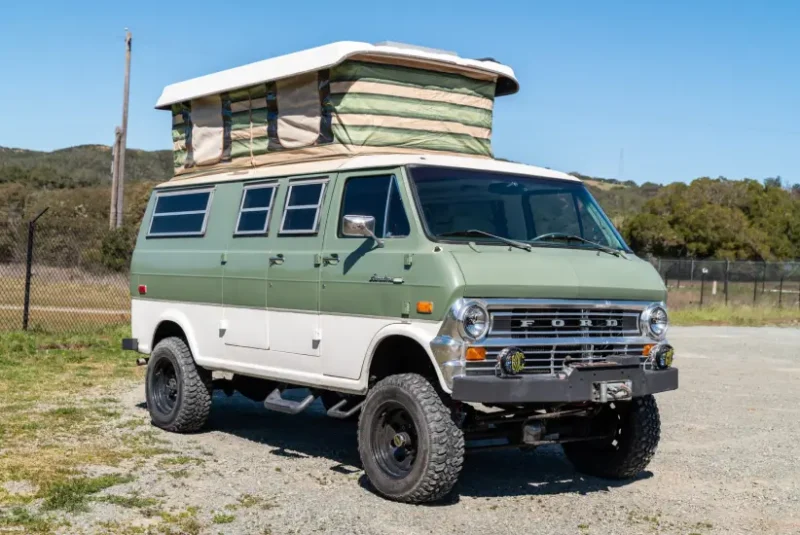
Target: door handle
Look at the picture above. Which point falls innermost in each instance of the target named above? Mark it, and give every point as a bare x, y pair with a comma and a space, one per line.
331, 259
276, 260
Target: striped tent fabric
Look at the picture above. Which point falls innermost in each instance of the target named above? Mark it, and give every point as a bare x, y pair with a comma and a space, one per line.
356, 107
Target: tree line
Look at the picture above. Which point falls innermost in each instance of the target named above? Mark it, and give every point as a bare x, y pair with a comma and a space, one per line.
707, 218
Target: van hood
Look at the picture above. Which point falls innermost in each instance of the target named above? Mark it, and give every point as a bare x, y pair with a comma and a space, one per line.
557, 273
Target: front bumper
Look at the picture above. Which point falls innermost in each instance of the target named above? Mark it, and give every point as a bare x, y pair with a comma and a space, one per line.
576, 387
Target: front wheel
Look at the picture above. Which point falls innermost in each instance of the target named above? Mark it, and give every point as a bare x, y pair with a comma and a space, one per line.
633, 429
411, 449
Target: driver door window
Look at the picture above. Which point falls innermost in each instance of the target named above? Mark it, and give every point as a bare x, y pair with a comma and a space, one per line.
379, 197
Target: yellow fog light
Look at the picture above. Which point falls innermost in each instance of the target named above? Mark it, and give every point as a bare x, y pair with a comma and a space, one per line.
510, 361
662, 356
476, 353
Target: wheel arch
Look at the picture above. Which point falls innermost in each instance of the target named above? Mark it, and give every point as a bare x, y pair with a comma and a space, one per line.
174, 323
409, 339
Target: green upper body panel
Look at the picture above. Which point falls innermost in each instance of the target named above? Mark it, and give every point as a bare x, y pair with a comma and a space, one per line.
325, 272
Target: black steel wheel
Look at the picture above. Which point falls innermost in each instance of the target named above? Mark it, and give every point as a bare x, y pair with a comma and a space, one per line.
178, 392
395, 440
411, 449
633, 429
165, 387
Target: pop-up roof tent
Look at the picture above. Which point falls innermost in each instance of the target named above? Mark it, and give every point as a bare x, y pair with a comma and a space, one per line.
336, 100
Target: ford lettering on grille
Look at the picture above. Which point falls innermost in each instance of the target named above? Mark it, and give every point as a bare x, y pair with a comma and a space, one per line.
543, 323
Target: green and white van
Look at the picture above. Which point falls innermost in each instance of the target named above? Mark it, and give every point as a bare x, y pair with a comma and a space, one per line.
336, 225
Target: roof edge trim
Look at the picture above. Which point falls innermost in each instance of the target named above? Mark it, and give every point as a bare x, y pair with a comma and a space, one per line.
323, 57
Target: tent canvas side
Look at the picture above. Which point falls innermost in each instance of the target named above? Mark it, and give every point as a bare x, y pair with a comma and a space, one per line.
363, 105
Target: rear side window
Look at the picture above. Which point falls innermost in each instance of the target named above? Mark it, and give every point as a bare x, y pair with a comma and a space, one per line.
180, 213
379, 197
303, 202
255, 209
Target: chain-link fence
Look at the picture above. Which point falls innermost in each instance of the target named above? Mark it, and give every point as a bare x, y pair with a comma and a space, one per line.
49, 283
720, 282
52, 281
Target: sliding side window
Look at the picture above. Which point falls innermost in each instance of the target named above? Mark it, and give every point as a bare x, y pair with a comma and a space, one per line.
180, 213
303, 203
255, 209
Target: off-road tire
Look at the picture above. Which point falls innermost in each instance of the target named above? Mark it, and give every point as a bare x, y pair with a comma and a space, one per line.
638, 430
440, 452
193, 403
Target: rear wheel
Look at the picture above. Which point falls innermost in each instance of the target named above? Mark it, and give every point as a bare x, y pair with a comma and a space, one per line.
634, 430
178, 392
411, 449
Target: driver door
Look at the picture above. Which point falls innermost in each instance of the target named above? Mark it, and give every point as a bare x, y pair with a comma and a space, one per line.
362, 285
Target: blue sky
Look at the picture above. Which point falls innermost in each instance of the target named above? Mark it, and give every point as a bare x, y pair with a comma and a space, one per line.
685, 88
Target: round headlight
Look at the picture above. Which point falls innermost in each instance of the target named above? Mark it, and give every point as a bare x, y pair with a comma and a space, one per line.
474, 321
655, 321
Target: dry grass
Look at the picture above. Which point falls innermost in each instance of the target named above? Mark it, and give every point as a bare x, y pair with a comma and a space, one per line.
55, 420
736, 315
94, 300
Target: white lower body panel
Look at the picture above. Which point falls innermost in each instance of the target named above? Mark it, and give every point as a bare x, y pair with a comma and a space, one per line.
329, 351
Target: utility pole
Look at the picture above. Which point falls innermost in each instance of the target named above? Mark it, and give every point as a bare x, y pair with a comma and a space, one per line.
118, 182
112, 213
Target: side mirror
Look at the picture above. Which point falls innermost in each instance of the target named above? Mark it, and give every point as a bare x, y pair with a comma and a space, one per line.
360, 226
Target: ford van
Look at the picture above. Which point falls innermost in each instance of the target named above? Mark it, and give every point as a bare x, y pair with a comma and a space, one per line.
326, 232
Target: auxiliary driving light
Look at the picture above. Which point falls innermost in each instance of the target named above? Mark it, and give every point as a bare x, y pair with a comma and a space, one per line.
662, 356
510, 361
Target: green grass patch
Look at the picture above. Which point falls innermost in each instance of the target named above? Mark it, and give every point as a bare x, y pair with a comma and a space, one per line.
183, 523
21, 520
180, 460
736, 315
223, 518
72, 495
179, 474
131, 501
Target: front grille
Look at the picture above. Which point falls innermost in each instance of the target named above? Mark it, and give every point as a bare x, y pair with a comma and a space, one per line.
564, 322
550, 358
550, 332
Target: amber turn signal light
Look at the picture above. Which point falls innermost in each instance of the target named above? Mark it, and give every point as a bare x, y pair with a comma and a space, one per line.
476, 353
425, 307
647, 348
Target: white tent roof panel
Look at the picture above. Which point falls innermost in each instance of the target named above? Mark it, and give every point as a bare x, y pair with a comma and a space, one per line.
324, 57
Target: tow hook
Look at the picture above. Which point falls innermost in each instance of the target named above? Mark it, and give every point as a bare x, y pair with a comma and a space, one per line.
142, 361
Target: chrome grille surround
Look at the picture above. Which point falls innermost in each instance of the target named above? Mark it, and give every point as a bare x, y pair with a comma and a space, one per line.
549, 331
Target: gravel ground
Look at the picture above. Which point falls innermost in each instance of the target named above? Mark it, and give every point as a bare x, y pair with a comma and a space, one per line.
727, 463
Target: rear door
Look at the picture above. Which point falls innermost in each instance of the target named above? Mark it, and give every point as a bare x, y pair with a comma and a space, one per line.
363, 286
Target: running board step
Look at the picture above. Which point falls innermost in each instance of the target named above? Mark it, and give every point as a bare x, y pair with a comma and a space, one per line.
336, 412
276, 402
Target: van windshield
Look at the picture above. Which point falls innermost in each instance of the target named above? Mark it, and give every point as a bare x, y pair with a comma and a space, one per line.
463, 204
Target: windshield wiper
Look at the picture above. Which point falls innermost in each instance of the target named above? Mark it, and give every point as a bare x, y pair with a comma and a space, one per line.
573, 237
474, 231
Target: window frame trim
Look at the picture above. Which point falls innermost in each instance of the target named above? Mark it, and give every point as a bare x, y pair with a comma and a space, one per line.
188, 191
247, 187
393, 180
318, 207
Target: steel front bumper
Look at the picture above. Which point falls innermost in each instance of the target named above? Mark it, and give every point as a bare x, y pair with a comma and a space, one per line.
576, 387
